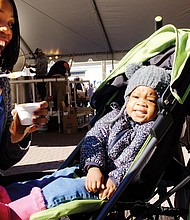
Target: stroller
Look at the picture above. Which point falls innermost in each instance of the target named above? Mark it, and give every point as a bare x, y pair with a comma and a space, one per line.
160, 164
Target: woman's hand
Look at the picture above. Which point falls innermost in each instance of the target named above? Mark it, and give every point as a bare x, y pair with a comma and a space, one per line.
40, 115
18, 131
94, 180
108, 191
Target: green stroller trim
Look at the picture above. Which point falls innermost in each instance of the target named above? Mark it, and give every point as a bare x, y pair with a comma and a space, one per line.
160, 40
69, 208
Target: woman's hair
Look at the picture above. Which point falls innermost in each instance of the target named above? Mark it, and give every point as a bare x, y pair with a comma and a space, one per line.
10, 54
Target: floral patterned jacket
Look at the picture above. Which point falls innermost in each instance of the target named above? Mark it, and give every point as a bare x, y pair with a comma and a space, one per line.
113, 158
10, 153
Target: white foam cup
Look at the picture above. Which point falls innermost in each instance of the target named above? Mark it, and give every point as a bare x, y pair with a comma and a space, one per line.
26, 112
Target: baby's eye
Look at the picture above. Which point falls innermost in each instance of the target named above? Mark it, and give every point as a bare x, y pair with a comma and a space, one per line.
135, 96
151, 100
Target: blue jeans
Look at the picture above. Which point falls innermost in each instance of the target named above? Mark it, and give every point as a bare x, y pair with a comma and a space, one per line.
57, 188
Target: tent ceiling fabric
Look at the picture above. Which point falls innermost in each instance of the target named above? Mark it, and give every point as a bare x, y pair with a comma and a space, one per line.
67, 27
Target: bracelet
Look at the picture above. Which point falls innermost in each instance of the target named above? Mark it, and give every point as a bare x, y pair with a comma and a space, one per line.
28, 136
25, 148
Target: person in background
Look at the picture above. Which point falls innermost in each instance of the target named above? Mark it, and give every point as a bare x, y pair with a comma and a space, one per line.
15, 139
90, 91
41, 67
60, 93
79, 85
81, 92
60, 67
107, 151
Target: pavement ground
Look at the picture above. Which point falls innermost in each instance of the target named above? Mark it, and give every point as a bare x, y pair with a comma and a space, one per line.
47, 152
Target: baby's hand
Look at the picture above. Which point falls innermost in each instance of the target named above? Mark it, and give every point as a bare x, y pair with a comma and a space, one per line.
108, 191
94, 180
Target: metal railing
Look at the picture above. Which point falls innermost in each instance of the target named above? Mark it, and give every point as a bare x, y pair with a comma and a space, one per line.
20, 92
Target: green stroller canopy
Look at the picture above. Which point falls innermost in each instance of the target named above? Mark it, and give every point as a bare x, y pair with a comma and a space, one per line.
160, 40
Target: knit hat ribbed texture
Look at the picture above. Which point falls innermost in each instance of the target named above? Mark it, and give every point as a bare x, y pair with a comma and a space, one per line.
151, 76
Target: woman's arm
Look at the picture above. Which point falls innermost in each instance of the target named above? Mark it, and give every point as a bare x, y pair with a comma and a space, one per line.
11, 153
14, 145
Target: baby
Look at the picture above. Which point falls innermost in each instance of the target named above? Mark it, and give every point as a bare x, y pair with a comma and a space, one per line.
104, 158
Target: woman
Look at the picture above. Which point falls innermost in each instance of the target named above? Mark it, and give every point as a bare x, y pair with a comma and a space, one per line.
15, 139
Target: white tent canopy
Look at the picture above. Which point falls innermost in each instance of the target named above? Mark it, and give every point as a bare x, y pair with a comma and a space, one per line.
97, 29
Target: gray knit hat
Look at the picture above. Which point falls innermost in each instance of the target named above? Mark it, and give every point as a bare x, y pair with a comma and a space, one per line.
152, 76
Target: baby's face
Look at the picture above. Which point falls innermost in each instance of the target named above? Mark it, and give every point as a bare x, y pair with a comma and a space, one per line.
142, 104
